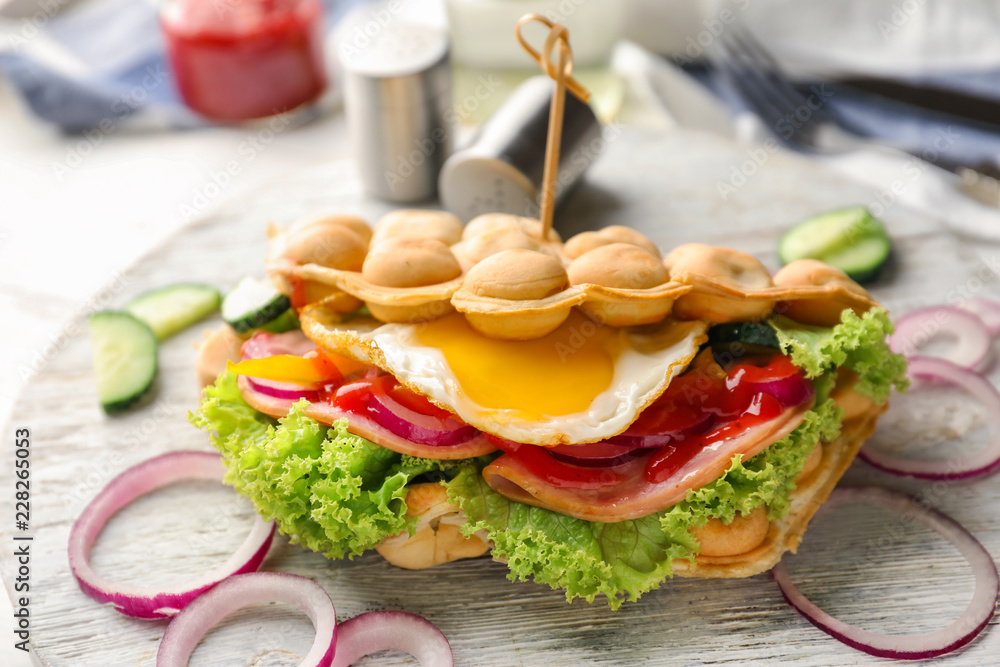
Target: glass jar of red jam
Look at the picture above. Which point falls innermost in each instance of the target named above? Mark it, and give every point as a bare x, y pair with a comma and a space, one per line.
235, 60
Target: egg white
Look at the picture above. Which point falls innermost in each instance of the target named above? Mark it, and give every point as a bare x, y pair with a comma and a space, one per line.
652, 356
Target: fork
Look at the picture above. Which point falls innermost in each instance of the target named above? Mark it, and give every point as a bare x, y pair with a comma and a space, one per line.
804, 122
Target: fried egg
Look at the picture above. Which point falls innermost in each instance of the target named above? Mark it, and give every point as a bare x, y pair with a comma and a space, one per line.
584, 382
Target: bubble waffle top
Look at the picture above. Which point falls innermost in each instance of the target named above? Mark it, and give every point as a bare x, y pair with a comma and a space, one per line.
509, 283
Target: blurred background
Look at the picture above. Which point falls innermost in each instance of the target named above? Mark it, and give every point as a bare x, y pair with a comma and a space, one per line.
121, 121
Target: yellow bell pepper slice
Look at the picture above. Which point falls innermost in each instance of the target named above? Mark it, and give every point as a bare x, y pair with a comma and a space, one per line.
287, 368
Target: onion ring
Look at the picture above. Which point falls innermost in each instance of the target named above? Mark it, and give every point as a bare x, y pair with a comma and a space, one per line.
918, 327
987, 310
189, 626
148, 601
908, 647
392, 630
278, 390
416, 427
982, 463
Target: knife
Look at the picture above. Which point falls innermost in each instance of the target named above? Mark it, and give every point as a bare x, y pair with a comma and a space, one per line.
932, 98
967, 202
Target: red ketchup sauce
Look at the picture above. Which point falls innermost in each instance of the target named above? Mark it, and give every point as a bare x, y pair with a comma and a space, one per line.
698, 409
240, 59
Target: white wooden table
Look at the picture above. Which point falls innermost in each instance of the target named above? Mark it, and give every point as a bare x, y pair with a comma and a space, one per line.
664, 184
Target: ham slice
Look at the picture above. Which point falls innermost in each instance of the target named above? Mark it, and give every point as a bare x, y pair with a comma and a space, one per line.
629, 495
271, 406
264, 344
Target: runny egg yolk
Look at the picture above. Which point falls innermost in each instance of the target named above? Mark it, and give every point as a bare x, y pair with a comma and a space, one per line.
558, 374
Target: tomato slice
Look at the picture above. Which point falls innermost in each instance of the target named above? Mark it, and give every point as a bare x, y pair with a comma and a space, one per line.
670, 417
561, 475
335, 364
353, 397
777, 367
689, 406
298, 295
414, 401
664, 463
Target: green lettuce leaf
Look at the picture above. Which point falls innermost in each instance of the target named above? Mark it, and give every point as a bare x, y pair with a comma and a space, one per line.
621, 560
624, 560
858, 342
331, 491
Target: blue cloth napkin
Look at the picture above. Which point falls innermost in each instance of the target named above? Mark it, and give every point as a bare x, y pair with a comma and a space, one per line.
103, 66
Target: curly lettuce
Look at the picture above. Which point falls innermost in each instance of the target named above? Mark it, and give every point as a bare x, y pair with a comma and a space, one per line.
339, 494
585, 558
858, 342
329, 490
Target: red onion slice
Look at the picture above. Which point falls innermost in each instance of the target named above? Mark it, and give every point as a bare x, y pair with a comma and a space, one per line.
416, 427
392, 630
982, 463
602, 454
155, 473
917, 328
907, 647
790, 391
283, 390
189, 626
987, 310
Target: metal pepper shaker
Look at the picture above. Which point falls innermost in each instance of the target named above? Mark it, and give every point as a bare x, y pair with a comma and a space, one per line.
501, 170
397, 93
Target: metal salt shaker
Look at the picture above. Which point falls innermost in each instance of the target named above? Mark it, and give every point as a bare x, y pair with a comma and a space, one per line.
397, 94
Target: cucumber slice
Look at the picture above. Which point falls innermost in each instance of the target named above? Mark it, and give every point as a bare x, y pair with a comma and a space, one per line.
124, 350
253, 304
748, 333
850, 239
287, 321
171, 309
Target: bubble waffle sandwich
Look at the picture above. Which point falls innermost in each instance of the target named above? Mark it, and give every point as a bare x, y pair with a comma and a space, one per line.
597, 415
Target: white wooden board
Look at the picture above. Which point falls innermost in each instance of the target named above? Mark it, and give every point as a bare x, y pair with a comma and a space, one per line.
665, 185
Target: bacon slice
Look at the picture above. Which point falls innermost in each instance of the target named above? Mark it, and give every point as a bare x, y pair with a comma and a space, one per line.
632, 496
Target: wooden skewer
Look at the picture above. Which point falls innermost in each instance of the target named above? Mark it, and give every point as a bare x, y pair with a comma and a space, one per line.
561, 72
574, 86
